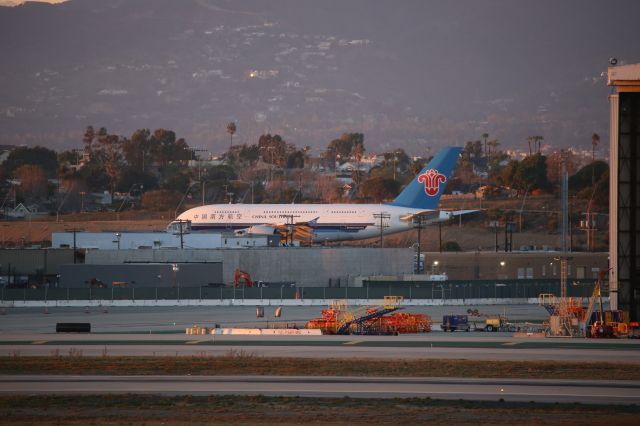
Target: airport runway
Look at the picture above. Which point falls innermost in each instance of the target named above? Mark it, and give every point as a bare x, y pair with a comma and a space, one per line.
435, 345
566, 391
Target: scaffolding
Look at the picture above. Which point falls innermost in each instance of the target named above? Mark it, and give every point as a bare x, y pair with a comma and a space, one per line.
568, 316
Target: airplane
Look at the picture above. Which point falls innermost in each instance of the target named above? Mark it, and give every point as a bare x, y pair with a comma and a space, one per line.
333, 222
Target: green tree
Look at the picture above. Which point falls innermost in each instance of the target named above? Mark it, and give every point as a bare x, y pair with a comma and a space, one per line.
295, 160
161, 200
379, 189
93, 175
177, 181
165, 148
36, 156
222, 172
273, 149
530, 174
583, 177
131, 176
33, 182
249, 154
68, 157
137, 150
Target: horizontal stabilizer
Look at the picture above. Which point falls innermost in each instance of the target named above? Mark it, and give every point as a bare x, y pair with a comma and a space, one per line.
461, 212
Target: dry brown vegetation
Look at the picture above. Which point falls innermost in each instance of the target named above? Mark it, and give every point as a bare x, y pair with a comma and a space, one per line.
239, 362
241, 410
474, 233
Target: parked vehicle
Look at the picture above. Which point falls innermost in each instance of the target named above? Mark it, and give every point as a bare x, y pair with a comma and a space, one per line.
455, 322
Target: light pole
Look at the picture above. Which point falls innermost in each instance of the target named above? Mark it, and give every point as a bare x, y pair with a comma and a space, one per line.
82, 194
117, 240
175, 268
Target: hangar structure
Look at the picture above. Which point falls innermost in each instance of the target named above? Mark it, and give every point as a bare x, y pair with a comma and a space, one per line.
624, 185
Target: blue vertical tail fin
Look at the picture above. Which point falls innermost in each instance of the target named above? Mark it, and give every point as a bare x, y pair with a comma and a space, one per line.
425, 190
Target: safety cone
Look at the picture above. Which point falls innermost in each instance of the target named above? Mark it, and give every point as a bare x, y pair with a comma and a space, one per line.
46, 310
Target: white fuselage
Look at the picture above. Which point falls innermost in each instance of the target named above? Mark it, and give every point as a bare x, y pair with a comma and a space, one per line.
329, 222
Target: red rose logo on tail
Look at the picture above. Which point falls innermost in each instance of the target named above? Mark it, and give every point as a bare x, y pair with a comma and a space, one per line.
432, 179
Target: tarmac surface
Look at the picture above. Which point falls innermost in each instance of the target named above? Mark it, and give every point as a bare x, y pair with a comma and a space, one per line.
177, 318
156, 331
565, 391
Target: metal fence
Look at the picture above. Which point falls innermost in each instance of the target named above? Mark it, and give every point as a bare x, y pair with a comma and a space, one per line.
371, 290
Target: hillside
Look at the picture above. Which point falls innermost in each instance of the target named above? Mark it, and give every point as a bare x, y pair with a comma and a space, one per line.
420, 75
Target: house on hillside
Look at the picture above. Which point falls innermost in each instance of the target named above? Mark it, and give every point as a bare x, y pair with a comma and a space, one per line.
23, 212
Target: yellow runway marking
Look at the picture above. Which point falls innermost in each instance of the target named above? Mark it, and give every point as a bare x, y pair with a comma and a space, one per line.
355, 342
39, 342
194, 342
510, 343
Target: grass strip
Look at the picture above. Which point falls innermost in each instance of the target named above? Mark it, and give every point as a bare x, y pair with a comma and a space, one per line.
187, 410
237, 362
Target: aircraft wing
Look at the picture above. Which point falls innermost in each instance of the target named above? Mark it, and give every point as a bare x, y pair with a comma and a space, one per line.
431, 216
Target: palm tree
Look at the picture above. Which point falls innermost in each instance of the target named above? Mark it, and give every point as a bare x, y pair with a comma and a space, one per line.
595, 140
485, 136
535, 140
493, 146
231, 129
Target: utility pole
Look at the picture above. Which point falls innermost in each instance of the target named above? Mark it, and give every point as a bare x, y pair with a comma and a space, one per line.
564, 178
194, 157
180, 221
382, 216
74, 230
508, 236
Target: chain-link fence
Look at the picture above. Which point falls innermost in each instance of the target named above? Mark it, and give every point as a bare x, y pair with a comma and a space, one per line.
371, 290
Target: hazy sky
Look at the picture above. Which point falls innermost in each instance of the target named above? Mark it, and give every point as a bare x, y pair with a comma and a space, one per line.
415, 74
17, 2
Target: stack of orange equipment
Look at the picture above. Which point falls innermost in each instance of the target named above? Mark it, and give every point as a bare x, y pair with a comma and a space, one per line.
326, 323
402, 322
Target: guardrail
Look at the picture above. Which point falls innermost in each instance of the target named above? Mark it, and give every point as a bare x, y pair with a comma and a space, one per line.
432, 290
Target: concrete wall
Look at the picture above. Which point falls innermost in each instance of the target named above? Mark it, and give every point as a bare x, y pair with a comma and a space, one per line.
105, 257
141, 275
538, 265
315, 266
311, 267
31, 261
